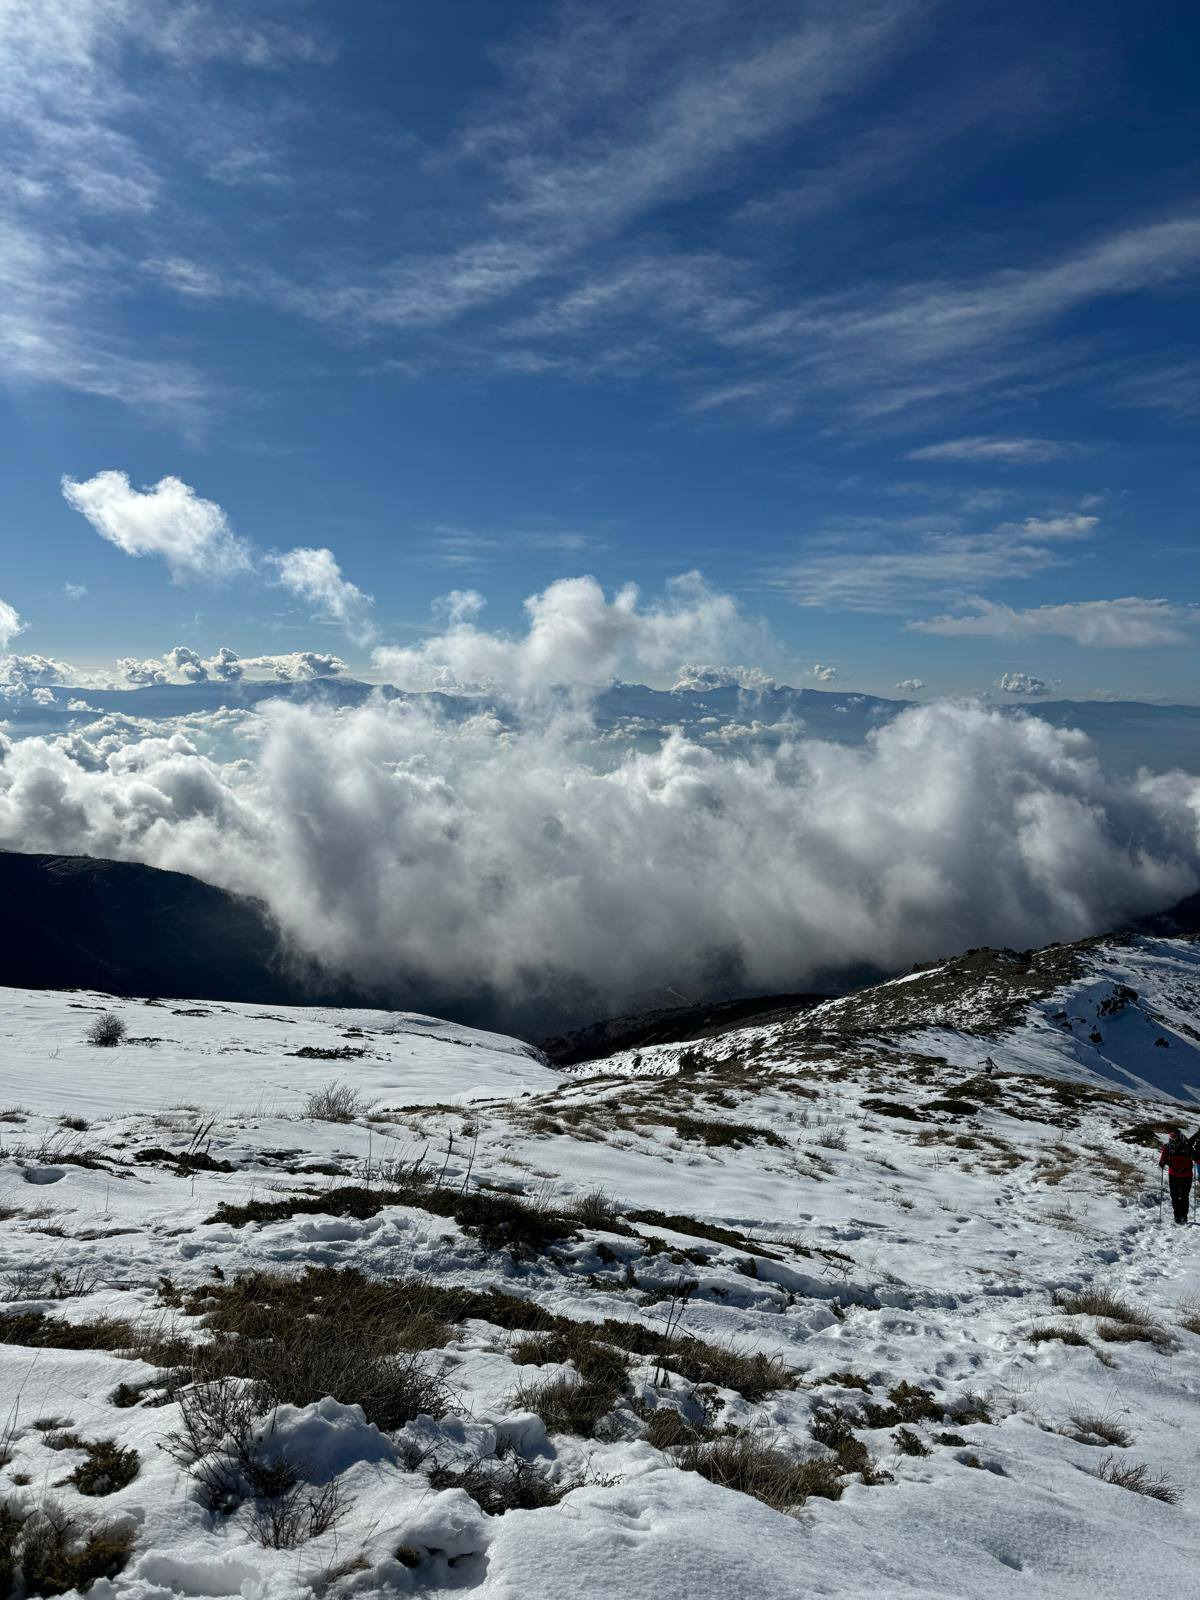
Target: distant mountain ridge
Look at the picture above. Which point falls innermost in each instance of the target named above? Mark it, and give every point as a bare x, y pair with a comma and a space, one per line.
1127, 734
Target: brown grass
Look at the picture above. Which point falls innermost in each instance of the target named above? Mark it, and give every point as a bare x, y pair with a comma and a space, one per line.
753, 1464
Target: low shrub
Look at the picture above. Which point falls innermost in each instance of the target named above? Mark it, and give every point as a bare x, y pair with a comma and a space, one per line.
909, 1444
107, 1468
46, 1551
505, 1482
499, 1221
337, 1101
909, 1403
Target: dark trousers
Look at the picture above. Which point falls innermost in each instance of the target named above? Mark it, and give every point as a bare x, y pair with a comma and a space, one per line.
1181, 1189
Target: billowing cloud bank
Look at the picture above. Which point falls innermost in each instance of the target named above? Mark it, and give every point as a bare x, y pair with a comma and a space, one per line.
461, 857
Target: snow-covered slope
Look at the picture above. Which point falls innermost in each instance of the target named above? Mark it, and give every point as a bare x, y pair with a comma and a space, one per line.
1122, 1010
233, 1057
849, 1203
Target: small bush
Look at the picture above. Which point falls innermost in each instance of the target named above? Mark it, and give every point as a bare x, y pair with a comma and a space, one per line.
505, 1482
284, 1521
337, 1101
909, 1444
48, 1552
107, 1468
598, 1210
1093, 1428
949, 1439
1137, 1477
909, 1403
107, 1030
834, 1428
752, 1463
847, 1380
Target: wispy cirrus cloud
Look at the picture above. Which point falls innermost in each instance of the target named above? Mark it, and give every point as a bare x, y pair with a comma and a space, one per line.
897, 568
1127, 623
1003, 451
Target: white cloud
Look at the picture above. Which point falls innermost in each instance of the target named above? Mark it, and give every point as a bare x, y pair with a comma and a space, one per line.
578, 638
460, 605
142, 674
910, 685
880, 566
314, 576
296, 665
951, 826
10, 624
170, 520
1037, 530
1021, 683
74, 591
693, 675
1126, 623
30, 670
1011, 451
823, 674
181, 664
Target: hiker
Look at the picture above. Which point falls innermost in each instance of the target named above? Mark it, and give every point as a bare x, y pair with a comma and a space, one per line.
1176, 1156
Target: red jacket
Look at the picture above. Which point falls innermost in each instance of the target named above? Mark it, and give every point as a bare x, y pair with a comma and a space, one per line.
1176, 1156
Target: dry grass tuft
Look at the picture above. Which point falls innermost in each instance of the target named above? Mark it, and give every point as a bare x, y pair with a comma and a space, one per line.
1137, 1477
1093, 1427
753, 1464
1101, 1302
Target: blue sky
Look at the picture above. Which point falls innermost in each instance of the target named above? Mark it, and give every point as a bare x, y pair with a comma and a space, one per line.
883, 316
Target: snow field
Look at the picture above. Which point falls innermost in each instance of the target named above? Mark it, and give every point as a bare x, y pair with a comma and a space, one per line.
850, 1242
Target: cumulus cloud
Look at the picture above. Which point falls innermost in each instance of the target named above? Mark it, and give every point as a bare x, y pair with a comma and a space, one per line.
1101, 624
314, 576
182, 664
910, 685
691, 675
443, 857
170, 519
142, 674
294, 666
33, 670
10, 624
1006, 452
577, 638
1021, 683
822, 673
196, 540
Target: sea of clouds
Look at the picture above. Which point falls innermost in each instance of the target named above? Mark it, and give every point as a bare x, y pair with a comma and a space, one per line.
497, 843
426, 854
